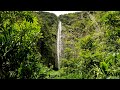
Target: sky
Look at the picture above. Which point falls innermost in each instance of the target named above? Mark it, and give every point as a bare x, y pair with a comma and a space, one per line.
61, 12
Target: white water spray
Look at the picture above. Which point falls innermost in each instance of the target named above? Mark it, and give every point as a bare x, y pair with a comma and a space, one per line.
59, 42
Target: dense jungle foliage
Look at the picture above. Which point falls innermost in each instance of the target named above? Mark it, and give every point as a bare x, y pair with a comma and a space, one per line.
90, 40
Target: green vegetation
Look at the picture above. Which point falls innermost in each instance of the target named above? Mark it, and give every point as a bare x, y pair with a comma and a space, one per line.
47, 44
20, 56
91, 45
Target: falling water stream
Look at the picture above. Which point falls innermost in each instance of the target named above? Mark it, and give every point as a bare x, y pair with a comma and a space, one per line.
59, 42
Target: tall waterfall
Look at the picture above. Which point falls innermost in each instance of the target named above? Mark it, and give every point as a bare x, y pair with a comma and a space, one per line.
59, 42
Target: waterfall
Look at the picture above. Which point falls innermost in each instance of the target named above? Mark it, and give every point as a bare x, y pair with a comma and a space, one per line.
59, 42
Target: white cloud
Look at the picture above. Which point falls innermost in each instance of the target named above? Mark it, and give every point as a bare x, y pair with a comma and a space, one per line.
61, 12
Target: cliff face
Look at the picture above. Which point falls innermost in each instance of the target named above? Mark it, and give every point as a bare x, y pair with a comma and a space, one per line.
74, 26
48, 42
